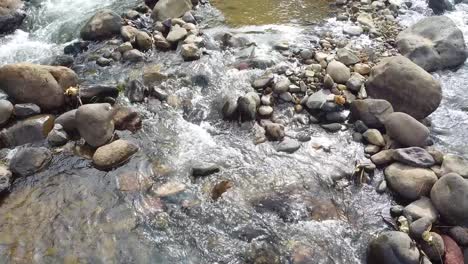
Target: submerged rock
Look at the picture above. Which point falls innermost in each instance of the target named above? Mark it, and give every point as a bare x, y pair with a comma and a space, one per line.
288, 145
103, 25
220, 188
42, 85
392, 248
126, 118
114, 154
405, 85
434, 43
28, 161
450, 196
95, 123
30, 130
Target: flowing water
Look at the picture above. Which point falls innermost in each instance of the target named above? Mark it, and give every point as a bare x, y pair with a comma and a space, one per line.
281, 206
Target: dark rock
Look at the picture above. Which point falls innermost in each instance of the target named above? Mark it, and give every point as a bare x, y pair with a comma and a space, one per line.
434, 43
406, 86
371, 111
126, 118
360, 126
103, 25
103, 62
435, 249
28, 161
26, 110
63, 60
414, 156
136, 91
229, 110
333, 127
418, 227
76, 48
449, 196
57, 136
67, 121
396, 210
406, 130
11, 16
247, 108
460, 235
220, 188
409, 182
97, 93
439, 6
422, 208
203, 171
30, 130
392, 248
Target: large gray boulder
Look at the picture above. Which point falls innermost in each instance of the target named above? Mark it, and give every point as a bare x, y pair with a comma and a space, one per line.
406, 130
95, 123
450, 197
405, 85
167, 9
42, 85
11, 15
434, 43
371, 111
104, 24
392, 248
409, 182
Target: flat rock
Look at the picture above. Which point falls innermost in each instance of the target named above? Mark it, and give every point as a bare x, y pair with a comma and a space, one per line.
33, 129
414, 156
288, 145
29, 160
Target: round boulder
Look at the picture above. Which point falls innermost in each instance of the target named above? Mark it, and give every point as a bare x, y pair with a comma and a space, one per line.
409, 182
103, 25
114, 154
450, 197
95, 123
434, 43
371, 111
405, 85
392, 248
339, 72
406, 130
38, 84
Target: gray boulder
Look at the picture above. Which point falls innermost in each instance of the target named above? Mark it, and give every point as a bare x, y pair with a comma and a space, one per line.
26, 110
28, 161
339, 72
422, 208
167, 9
456, 164
6, 110
414, 156
371, 111
409, 182
406, 130
347, 57
460, 235
405, 85
450, 197
419, 226
95, 123
392, 248
57, 136
68, 121
38, 84
104, 24
434, 43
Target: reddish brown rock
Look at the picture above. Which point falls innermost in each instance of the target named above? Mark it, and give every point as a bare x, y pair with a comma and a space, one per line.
453, 253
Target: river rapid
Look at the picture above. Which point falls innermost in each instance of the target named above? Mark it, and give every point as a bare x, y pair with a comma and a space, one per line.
282, 207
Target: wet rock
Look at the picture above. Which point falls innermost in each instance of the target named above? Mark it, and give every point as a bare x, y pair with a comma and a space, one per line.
143, 41
371, 111
63, 60
281, 85
263, 81
360, 126
356, 82
449, 196
126, 118
317, 100
353, 30
409, 182
288, 145
453, 253
383, 157
414, 156
126, 46
434, 43
176, 34
265, 110
38, 84
114, 154
153, 75
6, 110
374, 137
205, 170
67, 120
229, 110
95, 124
160, 42
333, 127
396, 210
362, 69
456, 164
133, 55
167, 9
136, 91
422, 208
151, 3
406, 130
30, 130
419, 226
169, 189
435, 249
347, 57
190, 52
11, 16
439, 6
339, 72
274, 132
28, 161
460, 235
392, 248
405, 85
5, 179
371, 149
103, 25
57, 136
328, 82
220, 188
103, 62
247, 106
128, 34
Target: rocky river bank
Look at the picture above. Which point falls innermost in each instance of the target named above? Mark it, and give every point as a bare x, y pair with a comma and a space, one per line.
365, 86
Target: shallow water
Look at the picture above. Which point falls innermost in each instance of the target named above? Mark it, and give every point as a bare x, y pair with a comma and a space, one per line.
280, 205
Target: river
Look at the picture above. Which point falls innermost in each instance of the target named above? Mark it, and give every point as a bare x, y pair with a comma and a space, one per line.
281, 206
